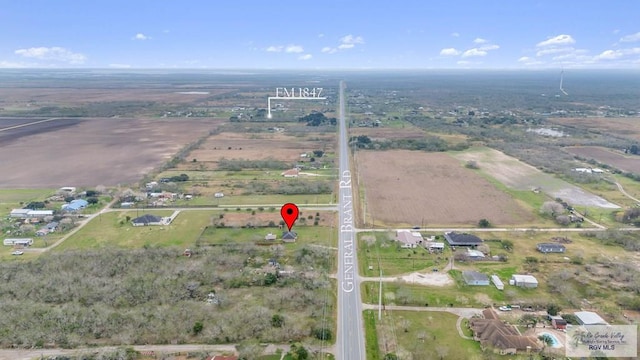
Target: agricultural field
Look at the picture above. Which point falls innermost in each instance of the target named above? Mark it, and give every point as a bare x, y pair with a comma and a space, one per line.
628, 127
94, 151
408, 188
617, 159
518, 175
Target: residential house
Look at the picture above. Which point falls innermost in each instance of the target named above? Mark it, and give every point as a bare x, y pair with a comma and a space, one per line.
18, 242
475, 278
146, 220
292, 173
270, 237
551, 248
42, 231
524, 281
497, 282
462, 239
501, 337
589, 318
408, 239
289, 236
75, 205
52, 226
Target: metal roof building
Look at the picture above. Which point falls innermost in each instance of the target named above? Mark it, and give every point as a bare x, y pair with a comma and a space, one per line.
589, 318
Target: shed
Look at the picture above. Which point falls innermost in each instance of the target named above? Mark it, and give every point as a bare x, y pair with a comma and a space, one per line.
270, 237
525, 281
558, 323
475, 278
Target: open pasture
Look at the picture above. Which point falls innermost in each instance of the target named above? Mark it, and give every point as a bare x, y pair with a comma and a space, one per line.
416, 188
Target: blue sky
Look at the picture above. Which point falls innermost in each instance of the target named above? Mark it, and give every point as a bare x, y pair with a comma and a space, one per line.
328, 34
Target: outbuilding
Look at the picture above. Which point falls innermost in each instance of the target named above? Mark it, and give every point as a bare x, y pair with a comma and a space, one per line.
475, 278
589, 318
524, 281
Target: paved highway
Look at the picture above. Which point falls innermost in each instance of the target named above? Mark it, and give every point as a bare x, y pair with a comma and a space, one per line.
350, 336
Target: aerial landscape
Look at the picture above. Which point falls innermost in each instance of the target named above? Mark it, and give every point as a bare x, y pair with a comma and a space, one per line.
322, 201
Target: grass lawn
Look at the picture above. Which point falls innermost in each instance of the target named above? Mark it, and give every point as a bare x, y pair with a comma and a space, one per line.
371, 336
112, 230
426, 335
11, 198
392, 259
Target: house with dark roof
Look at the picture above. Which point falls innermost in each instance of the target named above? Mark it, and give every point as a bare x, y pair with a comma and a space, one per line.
475, 278
551, 248
289, 236
502, 338
146, 220
462, 239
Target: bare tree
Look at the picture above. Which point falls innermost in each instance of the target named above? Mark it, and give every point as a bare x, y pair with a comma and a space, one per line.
551, 208
442, 351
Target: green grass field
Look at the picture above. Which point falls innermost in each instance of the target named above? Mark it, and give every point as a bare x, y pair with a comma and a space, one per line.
423, 335
11, 198
386, 254
113, 230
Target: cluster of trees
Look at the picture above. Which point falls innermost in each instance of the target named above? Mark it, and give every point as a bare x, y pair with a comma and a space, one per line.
240, 164
428, 143
157, 296
317, 119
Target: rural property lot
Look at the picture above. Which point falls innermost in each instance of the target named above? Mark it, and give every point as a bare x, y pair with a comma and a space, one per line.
630, 163
259, 146
96, 151
518, 175
411, 188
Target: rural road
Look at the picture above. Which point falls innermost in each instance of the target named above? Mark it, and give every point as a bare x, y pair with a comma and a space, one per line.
28, 124
624, 192
350, 332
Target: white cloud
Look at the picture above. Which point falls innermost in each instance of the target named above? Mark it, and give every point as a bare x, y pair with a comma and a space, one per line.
328, 50
631, 38
320, 35
489, 47
616, 54
294, 49
52, 53
479, 41
141, 36
455, 34
345, 46
275, 48
474, 52
449, 52
120, 66
305, 57
557, 40
524, 59
350, 39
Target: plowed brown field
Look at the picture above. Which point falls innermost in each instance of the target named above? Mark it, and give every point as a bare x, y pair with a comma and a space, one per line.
409, 188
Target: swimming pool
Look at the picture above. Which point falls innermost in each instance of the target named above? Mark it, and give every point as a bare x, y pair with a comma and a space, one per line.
554, 340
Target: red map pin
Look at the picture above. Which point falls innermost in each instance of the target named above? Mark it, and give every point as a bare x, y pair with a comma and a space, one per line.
289, 214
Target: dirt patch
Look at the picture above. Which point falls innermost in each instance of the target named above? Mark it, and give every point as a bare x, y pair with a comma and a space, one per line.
628, 163
415, 188
433, 279
96, 151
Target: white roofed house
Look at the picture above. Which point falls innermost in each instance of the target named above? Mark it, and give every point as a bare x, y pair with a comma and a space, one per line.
408, 239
